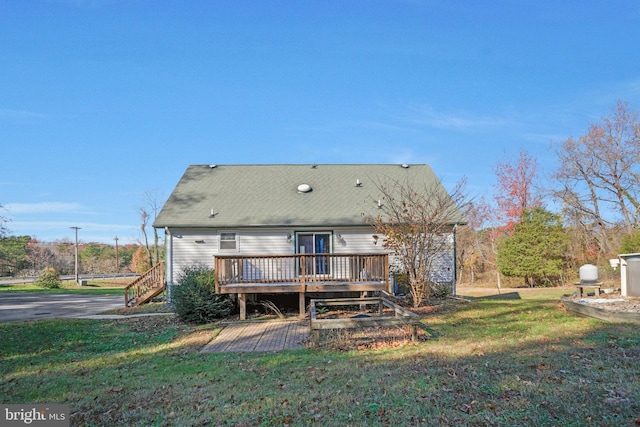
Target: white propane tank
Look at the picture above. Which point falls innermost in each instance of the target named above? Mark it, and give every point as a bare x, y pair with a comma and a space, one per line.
588, 274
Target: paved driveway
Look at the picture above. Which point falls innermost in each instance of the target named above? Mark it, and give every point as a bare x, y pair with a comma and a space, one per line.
27, 306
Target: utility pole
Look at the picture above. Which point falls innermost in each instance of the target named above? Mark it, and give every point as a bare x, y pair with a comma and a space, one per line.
76, 229
117, 263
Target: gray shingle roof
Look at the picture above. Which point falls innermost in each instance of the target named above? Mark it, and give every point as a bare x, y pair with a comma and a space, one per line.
268, 195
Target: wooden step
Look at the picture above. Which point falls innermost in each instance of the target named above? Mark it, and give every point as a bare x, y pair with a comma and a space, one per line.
148, 296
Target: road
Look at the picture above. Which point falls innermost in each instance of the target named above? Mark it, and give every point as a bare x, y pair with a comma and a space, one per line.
67, 278
29, 306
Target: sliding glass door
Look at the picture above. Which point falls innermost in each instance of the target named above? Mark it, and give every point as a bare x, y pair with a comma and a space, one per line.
315, 243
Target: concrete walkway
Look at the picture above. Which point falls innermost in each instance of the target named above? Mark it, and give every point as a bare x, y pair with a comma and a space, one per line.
249, 336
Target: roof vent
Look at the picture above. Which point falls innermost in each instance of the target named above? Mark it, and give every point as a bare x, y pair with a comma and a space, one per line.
406, 166
304, 188
213, 166
358, 183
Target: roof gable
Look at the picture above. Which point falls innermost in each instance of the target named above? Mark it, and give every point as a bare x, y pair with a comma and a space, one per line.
272, 195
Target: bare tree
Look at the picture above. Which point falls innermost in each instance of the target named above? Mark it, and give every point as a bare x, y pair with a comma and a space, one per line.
516, 191
416, 223
149, 211
599, 175
39, 256
480, 238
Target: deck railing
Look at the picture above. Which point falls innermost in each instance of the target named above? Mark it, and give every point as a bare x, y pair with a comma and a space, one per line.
150, 280
301, 269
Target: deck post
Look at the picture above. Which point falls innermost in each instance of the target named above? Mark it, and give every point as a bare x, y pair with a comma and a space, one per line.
303, 307
363, 307
303, 286
386, 274
242, 300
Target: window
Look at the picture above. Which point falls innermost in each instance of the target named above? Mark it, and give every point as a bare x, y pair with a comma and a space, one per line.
228, 242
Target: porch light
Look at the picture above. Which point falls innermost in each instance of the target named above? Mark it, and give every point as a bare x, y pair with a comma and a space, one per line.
375, 239
289, 238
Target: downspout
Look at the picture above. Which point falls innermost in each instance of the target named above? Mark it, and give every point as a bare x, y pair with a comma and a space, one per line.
455, 262
168, 254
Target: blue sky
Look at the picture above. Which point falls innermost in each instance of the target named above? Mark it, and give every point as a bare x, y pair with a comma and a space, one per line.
102, 101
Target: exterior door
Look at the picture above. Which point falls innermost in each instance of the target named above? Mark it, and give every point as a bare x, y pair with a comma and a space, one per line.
633, 277
315, 243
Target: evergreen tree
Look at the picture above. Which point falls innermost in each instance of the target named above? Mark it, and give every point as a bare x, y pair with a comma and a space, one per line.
13, 253
630, 243
536, 250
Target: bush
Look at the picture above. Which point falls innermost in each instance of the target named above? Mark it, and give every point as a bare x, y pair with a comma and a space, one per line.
49, 278
440, 290
194, 298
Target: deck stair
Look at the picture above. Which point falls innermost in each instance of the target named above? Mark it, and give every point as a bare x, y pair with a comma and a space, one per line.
146, 287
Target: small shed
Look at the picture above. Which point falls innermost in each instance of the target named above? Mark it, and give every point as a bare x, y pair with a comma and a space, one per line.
630, 274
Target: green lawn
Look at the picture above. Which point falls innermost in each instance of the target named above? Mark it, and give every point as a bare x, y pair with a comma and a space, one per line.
516, 360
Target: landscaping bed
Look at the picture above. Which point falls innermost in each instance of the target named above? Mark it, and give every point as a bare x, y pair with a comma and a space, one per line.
611, 306
385, 314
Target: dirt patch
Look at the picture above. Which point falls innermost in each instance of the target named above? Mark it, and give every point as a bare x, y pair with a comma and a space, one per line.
373, 338
383, 337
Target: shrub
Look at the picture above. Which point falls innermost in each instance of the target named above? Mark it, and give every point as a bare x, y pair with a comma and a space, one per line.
194, 298
49, 278
440, 290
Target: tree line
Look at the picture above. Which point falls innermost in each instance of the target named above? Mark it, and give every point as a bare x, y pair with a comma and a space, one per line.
589, 212
26, 256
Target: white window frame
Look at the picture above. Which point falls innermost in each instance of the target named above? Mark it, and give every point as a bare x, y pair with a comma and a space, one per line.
315, 268
236, 240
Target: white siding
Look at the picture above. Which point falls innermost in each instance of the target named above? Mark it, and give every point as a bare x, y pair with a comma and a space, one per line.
357, 242
267, 242
199, 247
185, 252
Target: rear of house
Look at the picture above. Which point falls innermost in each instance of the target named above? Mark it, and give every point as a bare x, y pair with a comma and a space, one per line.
301, 229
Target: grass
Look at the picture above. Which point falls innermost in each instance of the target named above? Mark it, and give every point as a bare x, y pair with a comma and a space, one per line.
495, 361
93, 287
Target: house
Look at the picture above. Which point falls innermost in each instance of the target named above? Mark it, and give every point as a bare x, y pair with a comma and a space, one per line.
299, 229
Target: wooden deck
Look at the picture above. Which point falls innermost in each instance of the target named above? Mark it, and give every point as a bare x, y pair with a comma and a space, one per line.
301, 274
